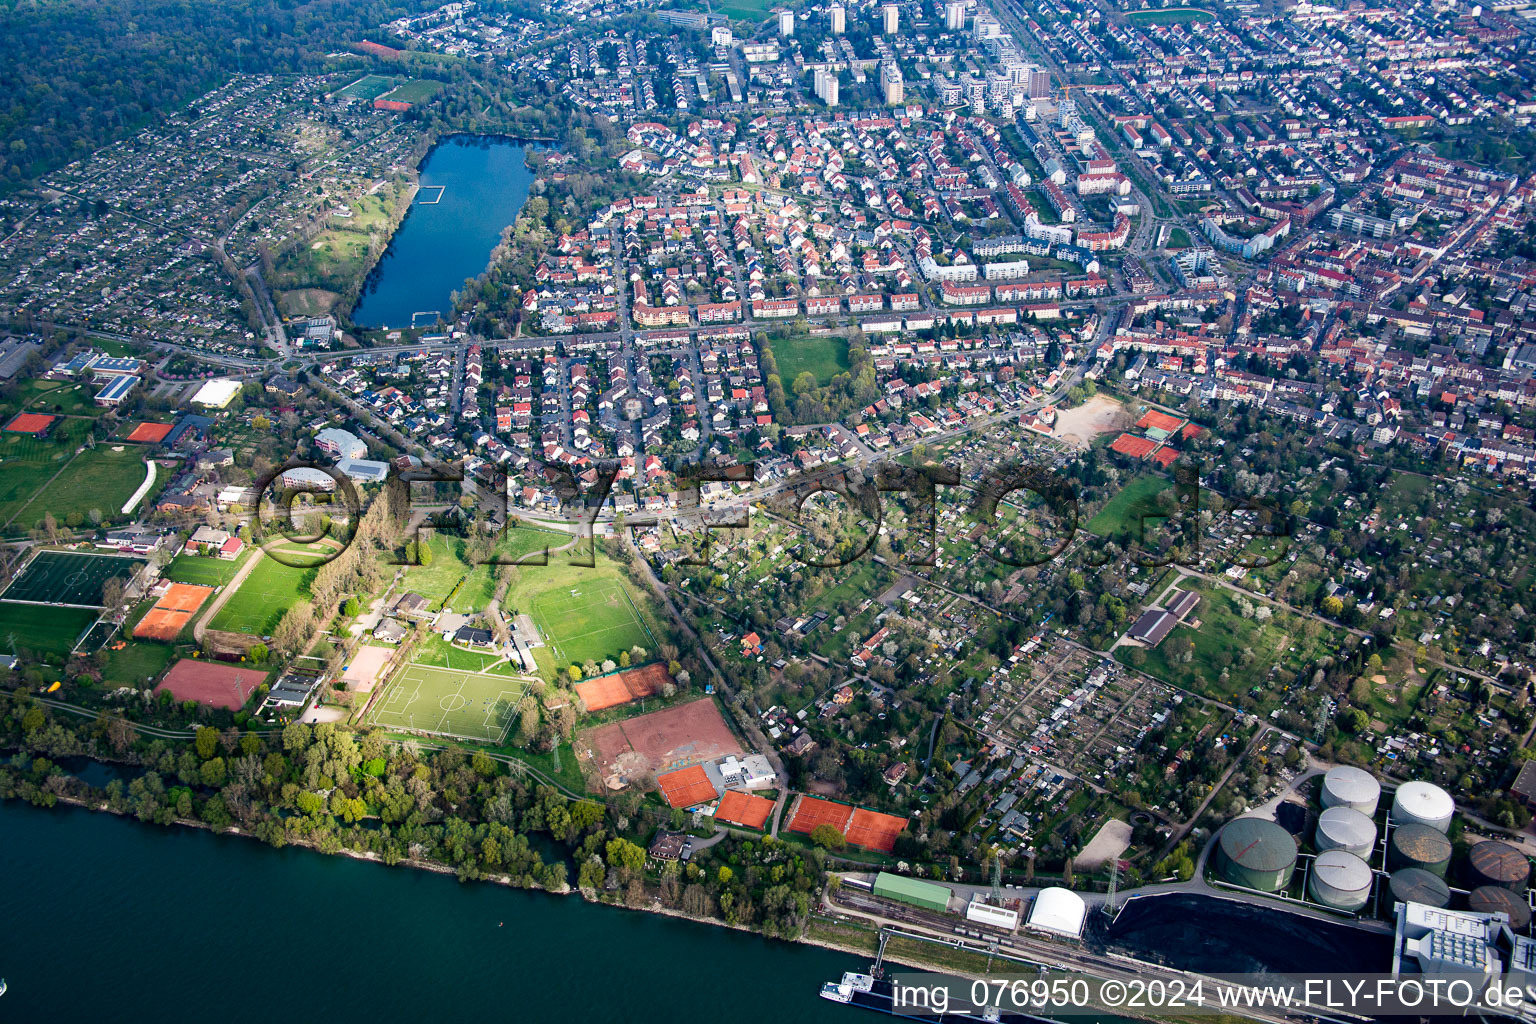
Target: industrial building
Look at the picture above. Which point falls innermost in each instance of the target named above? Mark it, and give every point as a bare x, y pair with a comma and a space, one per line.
1256, 853
216, 394
1473, 945
982, 912
912, 891
1058, 911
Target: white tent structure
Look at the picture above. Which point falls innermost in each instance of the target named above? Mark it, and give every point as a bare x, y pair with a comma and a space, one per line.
1058, 911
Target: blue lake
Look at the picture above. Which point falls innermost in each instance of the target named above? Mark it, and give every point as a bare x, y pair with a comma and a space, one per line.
471, 188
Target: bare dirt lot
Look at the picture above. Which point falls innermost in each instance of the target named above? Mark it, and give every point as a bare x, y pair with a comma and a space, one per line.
1099, 415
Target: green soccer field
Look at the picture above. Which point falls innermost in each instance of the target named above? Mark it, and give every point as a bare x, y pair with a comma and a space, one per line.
591, 620
204, 570
269, 591
449, 702
69, 578
41, 629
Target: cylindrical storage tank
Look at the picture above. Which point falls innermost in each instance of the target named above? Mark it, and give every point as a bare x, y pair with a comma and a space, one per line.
1423, 803
1494, 863
1340, 880
1346, 786
1256, 853
1344, 828
1415, 885
1418, 846
1494, 899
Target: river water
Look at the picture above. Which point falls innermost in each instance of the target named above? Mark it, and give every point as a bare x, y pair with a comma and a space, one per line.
471, 188
106, 919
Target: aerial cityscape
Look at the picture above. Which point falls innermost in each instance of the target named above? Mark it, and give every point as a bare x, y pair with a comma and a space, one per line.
984, 509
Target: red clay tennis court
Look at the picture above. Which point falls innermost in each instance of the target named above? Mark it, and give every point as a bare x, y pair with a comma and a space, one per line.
686, 788
172, 612
150, 433
811, 812
743, 809
30, 423
1155, 420
873, 830
618, 688
1135, 447
680, 735
208, 682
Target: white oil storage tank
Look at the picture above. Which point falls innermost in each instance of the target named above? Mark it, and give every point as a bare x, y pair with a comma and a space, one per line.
1340, 880
1344, 828
1423, 803
1347, 786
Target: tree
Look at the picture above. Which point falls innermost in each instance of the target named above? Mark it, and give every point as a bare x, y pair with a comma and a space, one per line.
624, 854
1332, 606
207, 742
351, 608
257, 653
827, 837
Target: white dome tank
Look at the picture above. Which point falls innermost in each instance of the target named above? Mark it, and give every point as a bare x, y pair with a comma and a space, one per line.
1347, 786
1340, 880
1344, 828
1423, 803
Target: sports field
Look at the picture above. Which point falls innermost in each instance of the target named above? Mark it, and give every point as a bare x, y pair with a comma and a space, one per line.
204, 570
367, 88
99, 479
593, 620
41, 628
27, 463
823, 358
269, 591
172, 612
449, 702
70, 578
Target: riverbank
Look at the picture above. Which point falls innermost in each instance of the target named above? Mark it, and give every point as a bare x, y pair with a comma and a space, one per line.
223, 919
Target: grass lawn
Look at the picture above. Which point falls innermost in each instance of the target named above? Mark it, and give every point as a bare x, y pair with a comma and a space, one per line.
136, 663
204, 570
61, 398
26, 463
337, 253
1178, 238
436, 652
1219, 642
367, 88
269, 591
1122, 512
437, 580
1171, 16
416, 90
584, 613
99, 479
40, 628
823, 358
